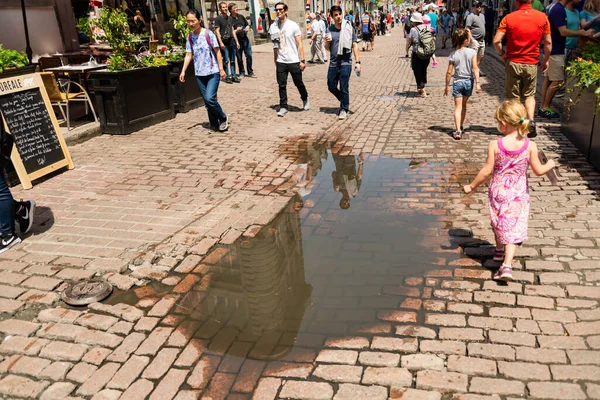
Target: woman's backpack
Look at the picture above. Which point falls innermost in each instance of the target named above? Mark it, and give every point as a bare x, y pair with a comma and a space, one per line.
426, 46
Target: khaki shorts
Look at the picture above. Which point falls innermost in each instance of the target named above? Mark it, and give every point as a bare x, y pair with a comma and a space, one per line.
478, 46
521, 80
556, 68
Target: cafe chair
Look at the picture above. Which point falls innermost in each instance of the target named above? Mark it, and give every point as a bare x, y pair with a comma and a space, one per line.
60, 95
49, 62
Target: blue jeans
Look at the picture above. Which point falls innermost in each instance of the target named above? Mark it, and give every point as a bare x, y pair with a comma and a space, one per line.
7, 207
209, 85
462, 88
245, 48
229, 56
340, 74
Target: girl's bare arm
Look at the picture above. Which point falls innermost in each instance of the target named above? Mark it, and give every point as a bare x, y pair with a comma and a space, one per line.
537, 167
485, 172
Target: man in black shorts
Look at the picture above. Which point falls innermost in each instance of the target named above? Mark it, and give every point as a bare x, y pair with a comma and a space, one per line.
365, 26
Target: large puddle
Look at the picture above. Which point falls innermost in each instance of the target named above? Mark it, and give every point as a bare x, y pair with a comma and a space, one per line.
356, 253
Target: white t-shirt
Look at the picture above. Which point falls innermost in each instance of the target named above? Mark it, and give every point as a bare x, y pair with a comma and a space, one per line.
288, 48
316, 27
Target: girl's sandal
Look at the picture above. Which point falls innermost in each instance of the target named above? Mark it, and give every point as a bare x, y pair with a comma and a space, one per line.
498, 254
504, 273
457, 135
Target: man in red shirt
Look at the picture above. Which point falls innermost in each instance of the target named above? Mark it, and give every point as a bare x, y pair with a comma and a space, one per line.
524, 29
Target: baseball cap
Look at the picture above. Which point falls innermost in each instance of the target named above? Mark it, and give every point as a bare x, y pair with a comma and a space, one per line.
477, 4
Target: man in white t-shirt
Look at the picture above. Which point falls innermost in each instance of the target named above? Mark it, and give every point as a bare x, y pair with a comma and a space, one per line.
288, 53
316, 40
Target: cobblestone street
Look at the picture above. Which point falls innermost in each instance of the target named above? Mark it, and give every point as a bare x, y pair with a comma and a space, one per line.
238, 274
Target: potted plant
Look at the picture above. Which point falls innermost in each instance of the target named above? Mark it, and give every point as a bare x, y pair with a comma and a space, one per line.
186, 95
134, 92
581, 122
13, 62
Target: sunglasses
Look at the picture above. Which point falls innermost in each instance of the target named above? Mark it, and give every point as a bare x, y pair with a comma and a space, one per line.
280, 9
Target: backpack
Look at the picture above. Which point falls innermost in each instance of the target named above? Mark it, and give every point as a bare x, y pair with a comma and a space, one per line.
6, 142
209, 45
426, 46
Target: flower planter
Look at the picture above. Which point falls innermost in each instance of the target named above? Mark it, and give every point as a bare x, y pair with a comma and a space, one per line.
578, 124
186, 95
128, 101
7, 73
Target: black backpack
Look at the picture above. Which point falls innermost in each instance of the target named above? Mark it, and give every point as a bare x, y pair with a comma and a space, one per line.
6, 142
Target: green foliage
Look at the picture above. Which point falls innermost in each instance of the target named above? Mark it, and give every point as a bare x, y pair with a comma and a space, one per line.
114, 24
586, 70
83, 24
150, 60
143, 60
12, 59
168, 41
118, 62
176, 55
182, 28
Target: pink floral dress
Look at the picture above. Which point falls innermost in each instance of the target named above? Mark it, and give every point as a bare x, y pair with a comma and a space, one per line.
509, 194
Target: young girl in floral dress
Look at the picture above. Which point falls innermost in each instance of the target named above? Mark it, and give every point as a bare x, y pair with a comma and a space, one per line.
507, 162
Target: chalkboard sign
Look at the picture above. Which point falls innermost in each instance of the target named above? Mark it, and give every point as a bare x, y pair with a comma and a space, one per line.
28, 115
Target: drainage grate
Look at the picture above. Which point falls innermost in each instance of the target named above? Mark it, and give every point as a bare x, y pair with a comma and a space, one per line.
86, 292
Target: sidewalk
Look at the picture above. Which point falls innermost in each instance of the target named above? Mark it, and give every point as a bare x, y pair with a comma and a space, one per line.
231, 285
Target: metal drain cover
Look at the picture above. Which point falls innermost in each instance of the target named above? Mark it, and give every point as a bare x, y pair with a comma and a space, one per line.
86, 292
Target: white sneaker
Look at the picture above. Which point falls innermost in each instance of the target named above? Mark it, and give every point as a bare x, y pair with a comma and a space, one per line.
282, 111
223, 126
342, 114
306, 105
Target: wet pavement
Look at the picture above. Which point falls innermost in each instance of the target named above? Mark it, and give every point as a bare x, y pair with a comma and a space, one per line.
305, 257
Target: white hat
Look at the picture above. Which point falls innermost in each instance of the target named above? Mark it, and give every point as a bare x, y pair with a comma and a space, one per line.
416, 17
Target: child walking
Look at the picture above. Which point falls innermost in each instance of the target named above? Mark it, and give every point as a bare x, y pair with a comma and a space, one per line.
463, 63
507, 162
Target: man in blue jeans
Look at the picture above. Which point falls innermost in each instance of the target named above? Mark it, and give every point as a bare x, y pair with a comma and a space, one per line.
228, 42
341, 43
241, 27
11, 211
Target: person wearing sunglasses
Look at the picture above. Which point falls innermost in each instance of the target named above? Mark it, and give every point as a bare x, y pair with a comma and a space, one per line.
288, 53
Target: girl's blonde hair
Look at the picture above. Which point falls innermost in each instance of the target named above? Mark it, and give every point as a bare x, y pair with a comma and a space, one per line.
513, 113
592, 6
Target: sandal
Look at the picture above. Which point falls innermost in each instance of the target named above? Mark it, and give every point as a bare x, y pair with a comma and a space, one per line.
504, 273
498, 254
456, 135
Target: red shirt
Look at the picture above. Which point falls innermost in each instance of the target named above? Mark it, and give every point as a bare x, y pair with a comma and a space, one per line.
524, 30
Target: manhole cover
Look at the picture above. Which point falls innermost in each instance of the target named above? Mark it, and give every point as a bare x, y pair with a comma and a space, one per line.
86, 292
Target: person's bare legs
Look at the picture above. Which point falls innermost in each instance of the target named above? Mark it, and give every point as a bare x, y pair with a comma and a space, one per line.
509, 253
458, 109
550, 92
544, 91
530, 106
464, 112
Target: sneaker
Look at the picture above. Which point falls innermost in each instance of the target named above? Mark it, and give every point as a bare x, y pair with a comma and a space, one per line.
457, 135
24, 215
320, 62
498, 254
282, 111
343, 114
311, 61
235, 79
548, 113
252, 76
8, 241
228, 80
504, 273
306, 105
435, 64
223, 126
532, 130
242, 75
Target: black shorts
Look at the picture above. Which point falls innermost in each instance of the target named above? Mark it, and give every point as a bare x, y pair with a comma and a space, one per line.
367, 36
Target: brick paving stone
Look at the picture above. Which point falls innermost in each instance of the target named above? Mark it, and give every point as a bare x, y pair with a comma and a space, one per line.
545, 356
13, 385
11, 292
267, 389
39, 296
154, 341
555, 390
163, 307
99, 338
62, 315
203, 372
57, 330
545, 290
588, 292
349, 391
81, 372
497, 386
491, 323
561, 342
128, 373
506, 312
539, 265
97, 381
415, 331
338, 373
593, 390
574, 303
549, 278
583, 356
58, 390
191, 353
535, 301
394, 344
139, 390
551, 328
219, 386
493, 351
553, 315
121, 328
588, 315
444, 347
378, 359
422, 361
492, 297
18, 327
182, 334
307, 390
524, 371
387, 377
24, 365
107, 394
414, 394
469, 334
248, 376
472, 365
42, 283
167, 388
445, 320
354, 343
465, 308
337, 357
96, 321
96, 355
57, 350
195, 394
575, 372
512, 338
161, 363
526, 325
146, 324
57, 371
444, 382
509, 287
397, 316
30, 346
